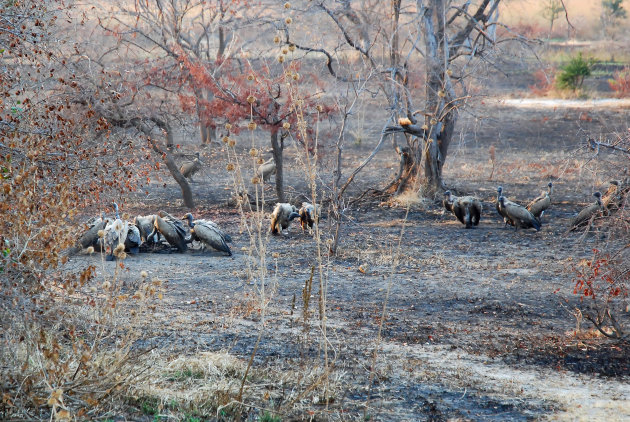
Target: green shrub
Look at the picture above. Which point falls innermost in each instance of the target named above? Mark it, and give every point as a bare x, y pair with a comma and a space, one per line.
268, 417
572, 75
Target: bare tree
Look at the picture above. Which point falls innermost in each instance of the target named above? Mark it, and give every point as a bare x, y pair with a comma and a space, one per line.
613, 13
551, 11
443, 42
140, 66
201, 29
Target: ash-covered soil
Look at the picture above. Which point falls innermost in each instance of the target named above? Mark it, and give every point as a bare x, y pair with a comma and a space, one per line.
479, 324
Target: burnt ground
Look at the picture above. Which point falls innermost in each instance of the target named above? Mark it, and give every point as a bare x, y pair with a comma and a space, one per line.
479, 323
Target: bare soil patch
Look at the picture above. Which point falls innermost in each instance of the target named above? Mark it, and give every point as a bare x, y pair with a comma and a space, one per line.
479, 323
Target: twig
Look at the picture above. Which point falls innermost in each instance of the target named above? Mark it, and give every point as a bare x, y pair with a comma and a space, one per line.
594, 145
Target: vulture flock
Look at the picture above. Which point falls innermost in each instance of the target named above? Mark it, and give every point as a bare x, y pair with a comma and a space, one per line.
117, 236
467, 209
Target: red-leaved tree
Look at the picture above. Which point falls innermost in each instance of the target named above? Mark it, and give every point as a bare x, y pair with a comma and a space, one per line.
258, 94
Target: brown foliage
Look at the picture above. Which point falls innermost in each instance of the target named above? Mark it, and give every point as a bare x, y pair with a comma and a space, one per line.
544, 82
56, 160
620, 83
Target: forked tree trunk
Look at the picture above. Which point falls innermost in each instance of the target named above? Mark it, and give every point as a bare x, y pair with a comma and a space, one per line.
440, 119
441, 100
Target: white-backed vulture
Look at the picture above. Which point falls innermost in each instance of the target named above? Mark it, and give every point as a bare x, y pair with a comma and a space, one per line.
308, 215
584, 217
467, 209
266, 169
518, 215
282, 216
145, 226
539, 205
208, 233
501, 212
90, 236
171, 229
133, 239
189, 168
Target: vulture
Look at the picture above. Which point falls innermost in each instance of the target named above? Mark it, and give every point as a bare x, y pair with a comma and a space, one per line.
467, 209
171, 229
189, 168
307, 215
518, 215
90, 236
539, 205
585, 216
282, 216
266, 169
145, 227
500, 210
208, 233
115, 234
133, 239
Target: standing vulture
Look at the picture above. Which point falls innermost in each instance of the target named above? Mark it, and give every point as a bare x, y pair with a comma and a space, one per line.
501, 210
307, 215
584, 217
133, 239
171, 229
467, 209
282, 216
266, 169
115, 234
145, 226
209, 233
539, 205
189, 168
518, 215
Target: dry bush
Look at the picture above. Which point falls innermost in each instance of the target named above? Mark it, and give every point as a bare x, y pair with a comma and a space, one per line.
602, 282
73, 355
64, 349
545, 82
620, 83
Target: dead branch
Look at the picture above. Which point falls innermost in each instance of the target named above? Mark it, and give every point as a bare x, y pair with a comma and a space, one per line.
594, 145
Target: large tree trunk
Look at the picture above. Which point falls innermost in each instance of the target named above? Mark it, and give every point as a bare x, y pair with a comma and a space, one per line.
189, 202
169, 160
206, 132
277, 146
440, 121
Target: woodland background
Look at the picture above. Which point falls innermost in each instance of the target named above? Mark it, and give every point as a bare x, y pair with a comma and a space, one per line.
389, 309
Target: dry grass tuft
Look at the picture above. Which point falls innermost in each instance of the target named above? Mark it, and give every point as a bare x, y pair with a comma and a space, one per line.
207, 385
411, 199
199, 384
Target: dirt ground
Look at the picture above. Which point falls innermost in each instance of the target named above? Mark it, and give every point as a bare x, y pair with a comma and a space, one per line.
480, 323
